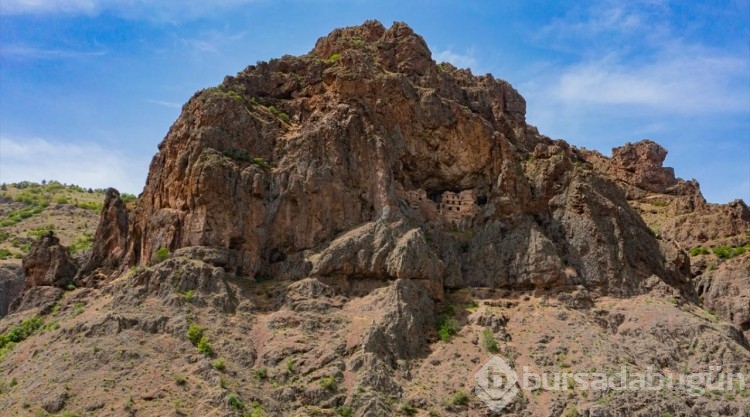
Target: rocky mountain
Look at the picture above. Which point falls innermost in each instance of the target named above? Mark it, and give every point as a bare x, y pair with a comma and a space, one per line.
356, 232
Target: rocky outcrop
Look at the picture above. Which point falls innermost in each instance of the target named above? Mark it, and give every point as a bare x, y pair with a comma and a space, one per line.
726, 291
110, 239
49, 263
675, 208
678, 214
12, 283
365, 158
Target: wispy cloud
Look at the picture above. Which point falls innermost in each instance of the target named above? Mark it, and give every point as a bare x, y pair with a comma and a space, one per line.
49, 7
163, 103
140, 9
643, 63
686, 83
210, 43
88, 165
465, 60
25, 52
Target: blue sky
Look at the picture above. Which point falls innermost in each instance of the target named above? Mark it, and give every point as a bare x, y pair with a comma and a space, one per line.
88, 88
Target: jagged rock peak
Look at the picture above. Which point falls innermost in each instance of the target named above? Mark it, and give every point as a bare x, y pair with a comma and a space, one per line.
366, 160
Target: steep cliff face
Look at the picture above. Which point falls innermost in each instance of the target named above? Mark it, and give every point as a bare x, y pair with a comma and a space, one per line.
364, 158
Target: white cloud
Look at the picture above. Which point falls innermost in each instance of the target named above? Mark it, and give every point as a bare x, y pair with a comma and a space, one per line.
466, 60
168, 104
46, 6
24, 52
146, 9
690, 82
629, 53
87, 165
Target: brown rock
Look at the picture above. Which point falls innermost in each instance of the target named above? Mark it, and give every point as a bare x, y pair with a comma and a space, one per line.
298, 167
49, 263
110, 239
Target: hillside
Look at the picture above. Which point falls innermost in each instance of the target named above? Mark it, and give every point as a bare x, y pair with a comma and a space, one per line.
28, 210
361, 231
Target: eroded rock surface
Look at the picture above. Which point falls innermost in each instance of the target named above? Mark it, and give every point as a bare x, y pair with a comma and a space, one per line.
49, 263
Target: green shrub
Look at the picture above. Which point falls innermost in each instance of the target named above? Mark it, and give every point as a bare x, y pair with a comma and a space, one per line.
345, 411
699, 250
408, 409
90, 205
204, 347
128, 198
257, 411
459, 398
328, 383
195, 334
5, 253
729, 252
161, 254
260, 374
333, 58
488, 341
448, 326
290, 365
219, 364
234, 402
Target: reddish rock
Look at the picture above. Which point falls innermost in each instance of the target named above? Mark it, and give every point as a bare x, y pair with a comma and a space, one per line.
49, 263
110, 240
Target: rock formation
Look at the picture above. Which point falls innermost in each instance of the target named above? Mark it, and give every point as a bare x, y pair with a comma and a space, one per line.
49, 263
110, 239
280, 164
335, 233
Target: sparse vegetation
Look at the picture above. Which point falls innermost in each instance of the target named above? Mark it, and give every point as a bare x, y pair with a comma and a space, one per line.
344, 411
195, 334
79, 308
447, 324
235, 403
204, 347
333, 58
219, 364
160, 255
699, 250
459, 398
729, 252
180, 379
408, 409
488, 341
328, 383
571, 411
290, 363
278, 113
82, 243
18, 334
260, 374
